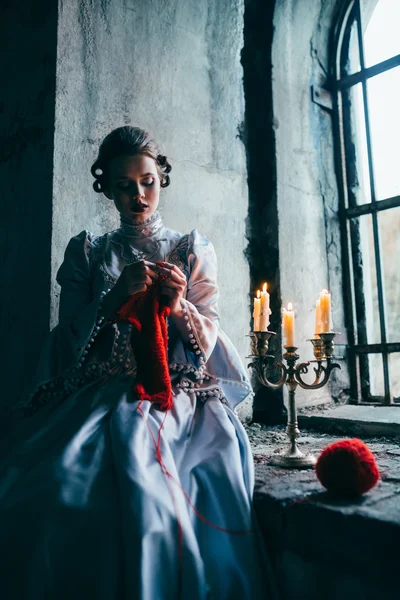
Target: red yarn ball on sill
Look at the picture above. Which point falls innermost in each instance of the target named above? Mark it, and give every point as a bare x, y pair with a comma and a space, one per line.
347, 468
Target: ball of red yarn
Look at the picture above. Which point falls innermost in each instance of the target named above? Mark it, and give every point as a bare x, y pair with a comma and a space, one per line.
347, 468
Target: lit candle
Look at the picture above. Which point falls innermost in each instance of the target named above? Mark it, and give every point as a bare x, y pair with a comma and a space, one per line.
265, 310
288, 325
325, 311
318, 316
256, 312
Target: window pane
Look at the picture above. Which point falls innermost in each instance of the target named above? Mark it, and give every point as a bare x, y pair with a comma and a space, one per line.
381, 30
355, 141
365, 281
394, 370
389, 229
384, 114
376, 382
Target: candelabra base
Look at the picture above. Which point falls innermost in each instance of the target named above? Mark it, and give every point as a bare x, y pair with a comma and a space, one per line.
293, 458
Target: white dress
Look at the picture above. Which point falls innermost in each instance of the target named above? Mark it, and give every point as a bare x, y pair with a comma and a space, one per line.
86, 511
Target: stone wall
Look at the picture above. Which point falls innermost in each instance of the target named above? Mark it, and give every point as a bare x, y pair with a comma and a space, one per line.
262, 222
307, 193
27, 73
292, 227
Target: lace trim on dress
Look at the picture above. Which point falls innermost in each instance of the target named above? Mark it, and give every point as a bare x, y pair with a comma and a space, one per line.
144, 229
130, 254
83, 373
196, 381
96, 258
178, 255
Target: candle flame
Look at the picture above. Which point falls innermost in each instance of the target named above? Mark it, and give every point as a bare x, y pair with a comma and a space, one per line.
290, 306
258, 293
324, 291
264, 288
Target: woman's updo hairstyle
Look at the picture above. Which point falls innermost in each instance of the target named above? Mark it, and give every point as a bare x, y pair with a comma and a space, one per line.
129, 141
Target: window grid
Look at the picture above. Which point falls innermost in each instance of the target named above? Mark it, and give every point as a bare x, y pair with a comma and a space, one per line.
349, 210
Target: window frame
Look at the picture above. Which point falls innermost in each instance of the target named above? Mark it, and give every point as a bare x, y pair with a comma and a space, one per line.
350, 212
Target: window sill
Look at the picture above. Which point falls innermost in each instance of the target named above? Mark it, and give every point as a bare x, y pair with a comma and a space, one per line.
322, 548
352, 420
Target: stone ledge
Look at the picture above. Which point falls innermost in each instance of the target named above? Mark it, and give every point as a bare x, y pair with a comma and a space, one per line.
352, 420
322, 548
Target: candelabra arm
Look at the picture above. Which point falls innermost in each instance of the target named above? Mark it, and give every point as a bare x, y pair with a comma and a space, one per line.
325, 371
260, 364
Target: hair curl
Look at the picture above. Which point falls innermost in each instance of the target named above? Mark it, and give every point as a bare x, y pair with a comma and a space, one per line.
129, 141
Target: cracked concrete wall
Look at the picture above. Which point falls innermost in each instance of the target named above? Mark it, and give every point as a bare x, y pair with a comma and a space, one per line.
174, 68
307, 195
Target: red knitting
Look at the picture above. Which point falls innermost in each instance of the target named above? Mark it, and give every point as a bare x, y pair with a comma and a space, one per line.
148, 314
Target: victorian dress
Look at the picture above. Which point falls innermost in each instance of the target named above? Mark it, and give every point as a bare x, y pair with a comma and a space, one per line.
86, 509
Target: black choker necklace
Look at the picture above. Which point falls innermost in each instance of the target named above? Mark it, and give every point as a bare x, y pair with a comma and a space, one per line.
143, 229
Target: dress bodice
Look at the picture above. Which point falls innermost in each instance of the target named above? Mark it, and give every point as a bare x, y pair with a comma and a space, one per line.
150, 241
201, 356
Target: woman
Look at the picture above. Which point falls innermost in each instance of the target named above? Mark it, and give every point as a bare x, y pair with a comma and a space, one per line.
104, 493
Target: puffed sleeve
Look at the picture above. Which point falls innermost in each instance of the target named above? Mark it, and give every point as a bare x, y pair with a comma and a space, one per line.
75, 280
198, 326
77, 313
201, 352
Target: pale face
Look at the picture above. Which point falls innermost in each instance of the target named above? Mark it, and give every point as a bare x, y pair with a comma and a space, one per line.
134, 185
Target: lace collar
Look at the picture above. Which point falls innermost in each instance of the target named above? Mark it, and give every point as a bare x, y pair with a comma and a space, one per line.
144, 229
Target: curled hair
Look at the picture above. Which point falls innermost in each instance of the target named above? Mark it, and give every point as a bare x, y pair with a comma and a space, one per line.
129, 141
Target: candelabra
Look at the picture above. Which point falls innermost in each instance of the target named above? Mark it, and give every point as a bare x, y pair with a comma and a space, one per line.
291, 375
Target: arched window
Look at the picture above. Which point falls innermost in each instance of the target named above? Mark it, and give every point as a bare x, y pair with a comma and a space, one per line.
367, 90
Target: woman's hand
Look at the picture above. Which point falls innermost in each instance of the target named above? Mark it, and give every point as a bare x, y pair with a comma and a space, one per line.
135, 278
172, 284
